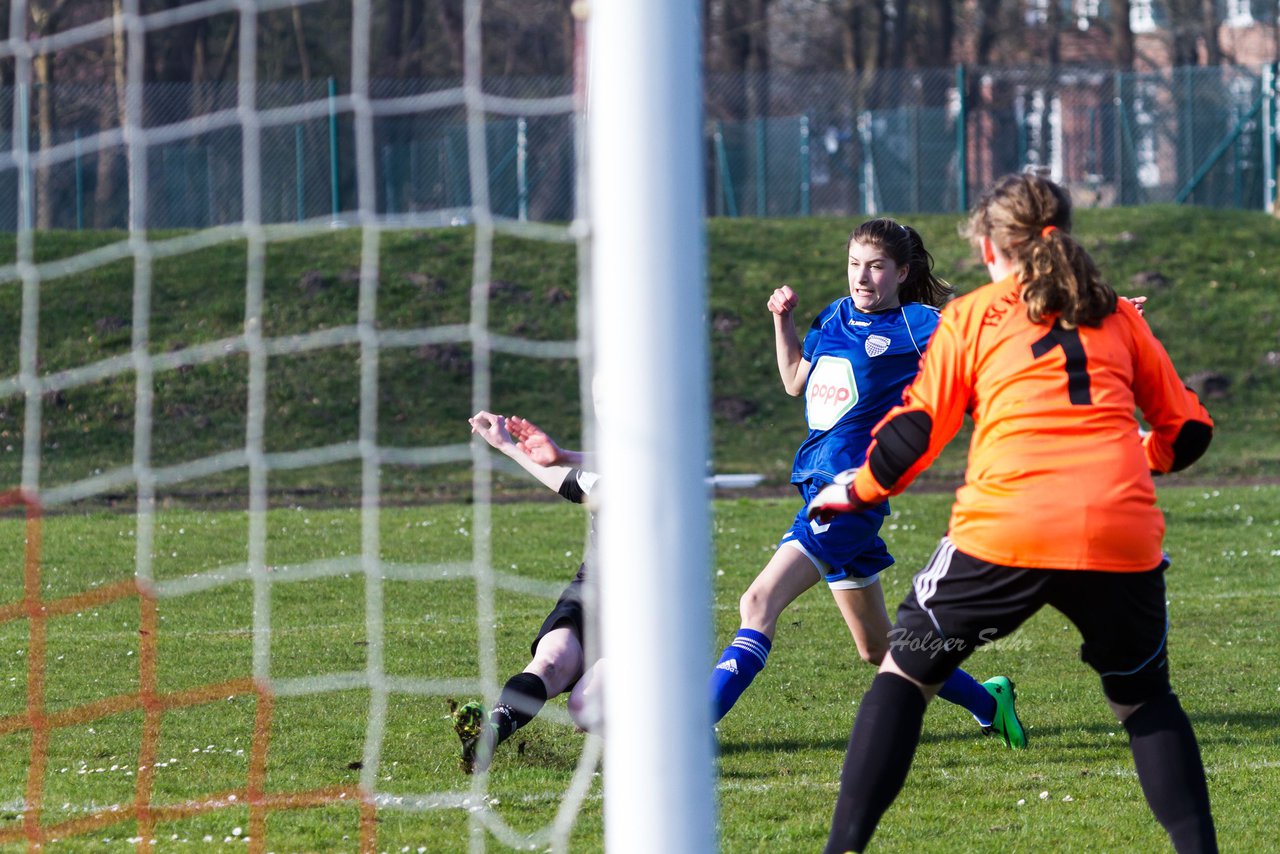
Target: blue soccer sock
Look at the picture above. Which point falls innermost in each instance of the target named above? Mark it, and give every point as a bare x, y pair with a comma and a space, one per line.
963, 690
738, 665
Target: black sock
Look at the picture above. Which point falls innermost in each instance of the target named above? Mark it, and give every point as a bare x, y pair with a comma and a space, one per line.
1167, 758
521, 699
881, 747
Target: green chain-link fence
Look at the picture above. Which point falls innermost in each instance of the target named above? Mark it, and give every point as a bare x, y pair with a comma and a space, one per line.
926, 140
776, 145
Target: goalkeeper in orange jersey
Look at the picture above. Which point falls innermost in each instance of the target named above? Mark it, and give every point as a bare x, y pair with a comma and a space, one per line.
560, 660
1058, 506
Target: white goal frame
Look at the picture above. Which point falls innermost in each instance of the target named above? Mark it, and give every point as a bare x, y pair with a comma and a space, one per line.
640, 233
651, 370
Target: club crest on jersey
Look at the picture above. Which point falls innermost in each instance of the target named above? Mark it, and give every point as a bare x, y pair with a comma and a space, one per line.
876, 344
830, 393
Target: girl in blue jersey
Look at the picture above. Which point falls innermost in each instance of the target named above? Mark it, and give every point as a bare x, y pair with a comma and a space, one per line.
859, 354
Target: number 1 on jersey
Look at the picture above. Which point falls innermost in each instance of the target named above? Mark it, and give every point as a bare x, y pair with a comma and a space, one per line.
1077, 366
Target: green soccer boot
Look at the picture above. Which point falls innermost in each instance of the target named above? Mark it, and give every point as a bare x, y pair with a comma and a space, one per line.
1005, 723
478, 737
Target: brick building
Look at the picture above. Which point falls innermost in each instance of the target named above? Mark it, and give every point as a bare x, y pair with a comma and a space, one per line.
1161, 132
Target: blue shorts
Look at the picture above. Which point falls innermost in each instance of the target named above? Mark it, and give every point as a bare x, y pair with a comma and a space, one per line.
849, 545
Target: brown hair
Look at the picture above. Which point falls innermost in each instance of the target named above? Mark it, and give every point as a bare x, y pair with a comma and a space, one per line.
904, 245
1028, 218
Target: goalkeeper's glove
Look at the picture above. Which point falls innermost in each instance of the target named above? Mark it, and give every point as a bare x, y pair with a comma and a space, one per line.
837, 497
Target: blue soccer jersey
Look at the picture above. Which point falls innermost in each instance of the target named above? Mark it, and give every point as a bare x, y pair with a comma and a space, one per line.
859, 365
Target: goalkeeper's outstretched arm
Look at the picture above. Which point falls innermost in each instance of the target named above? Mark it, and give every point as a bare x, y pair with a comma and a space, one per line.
540, 448
528, 445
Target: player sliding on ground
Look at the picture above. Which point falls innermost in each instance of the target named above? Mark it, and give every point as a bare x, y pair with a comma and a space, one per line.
857, 357
1058, 506
560, 663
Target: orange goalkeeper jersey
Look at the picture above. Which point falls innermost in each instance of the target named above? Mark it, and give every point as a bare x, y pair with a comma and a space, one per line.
1058, 475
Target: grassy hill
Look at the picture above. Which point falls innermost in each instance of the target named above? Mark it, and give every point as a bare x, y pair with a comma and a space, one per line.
1213, 278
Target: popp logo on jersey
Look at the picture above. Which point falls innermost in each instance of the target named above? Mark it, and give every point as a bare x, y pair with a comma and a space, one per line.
831, 392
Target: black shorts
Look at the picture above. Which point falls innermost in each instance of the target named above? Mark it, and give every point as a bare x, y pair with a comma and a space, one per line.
569, 610
958, 603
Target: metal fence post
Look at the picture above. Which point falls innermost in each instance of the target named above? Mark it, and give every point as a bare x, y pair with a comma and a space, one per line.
299, 173
335, 204
25, 194
870, 201
388, 187
1237, 167
724, 177
717, 143
913, 122
804, 165
761, 167
1119, 105
1188, 147
522, 169
1269, 137
962, 141
79, 185
1024, 142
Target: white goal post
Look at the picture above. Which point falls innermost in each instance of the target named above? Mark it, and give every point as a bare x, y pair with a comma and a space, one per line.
642, 338
649, 312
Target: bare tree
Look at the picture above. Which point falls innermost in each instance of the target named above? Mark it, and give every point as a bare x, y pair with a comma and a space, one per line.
740, 45
938, 46
1184, 31
449, 15
6, 65
1053, 29
112, 115
861, 24
393, 41
1122, 50
988, 30
304, 57
893, 33
45, 16
855, 55
1210, 22
404, 39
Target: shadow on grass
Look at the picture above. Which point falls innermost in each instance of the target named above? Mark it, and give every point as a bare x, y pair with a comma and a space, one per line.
1224, 729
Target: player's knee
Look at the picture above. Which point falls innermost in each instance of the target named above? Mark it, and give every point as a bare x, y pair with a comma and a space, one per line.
579, 711
1126, 694
548, 669
557, 673
753, 607
586, 706
1122, 711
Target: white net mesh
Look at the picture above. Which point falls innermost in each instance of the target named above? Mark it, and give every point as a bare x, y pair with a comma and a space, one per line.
151, 470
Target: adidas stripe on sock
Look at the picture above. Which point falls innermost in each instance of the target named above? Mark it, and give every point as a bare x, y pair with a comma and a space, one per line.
738, 665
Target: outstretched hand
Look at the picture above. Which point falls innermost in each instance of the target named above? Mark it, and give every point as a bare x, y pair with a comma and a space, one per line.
492, 428
534, 441
1136, 302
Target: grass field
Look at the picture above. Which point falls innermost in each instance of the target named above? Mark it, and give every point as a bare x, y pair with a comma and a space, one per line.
1214, 281
1213, 277
780, 749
